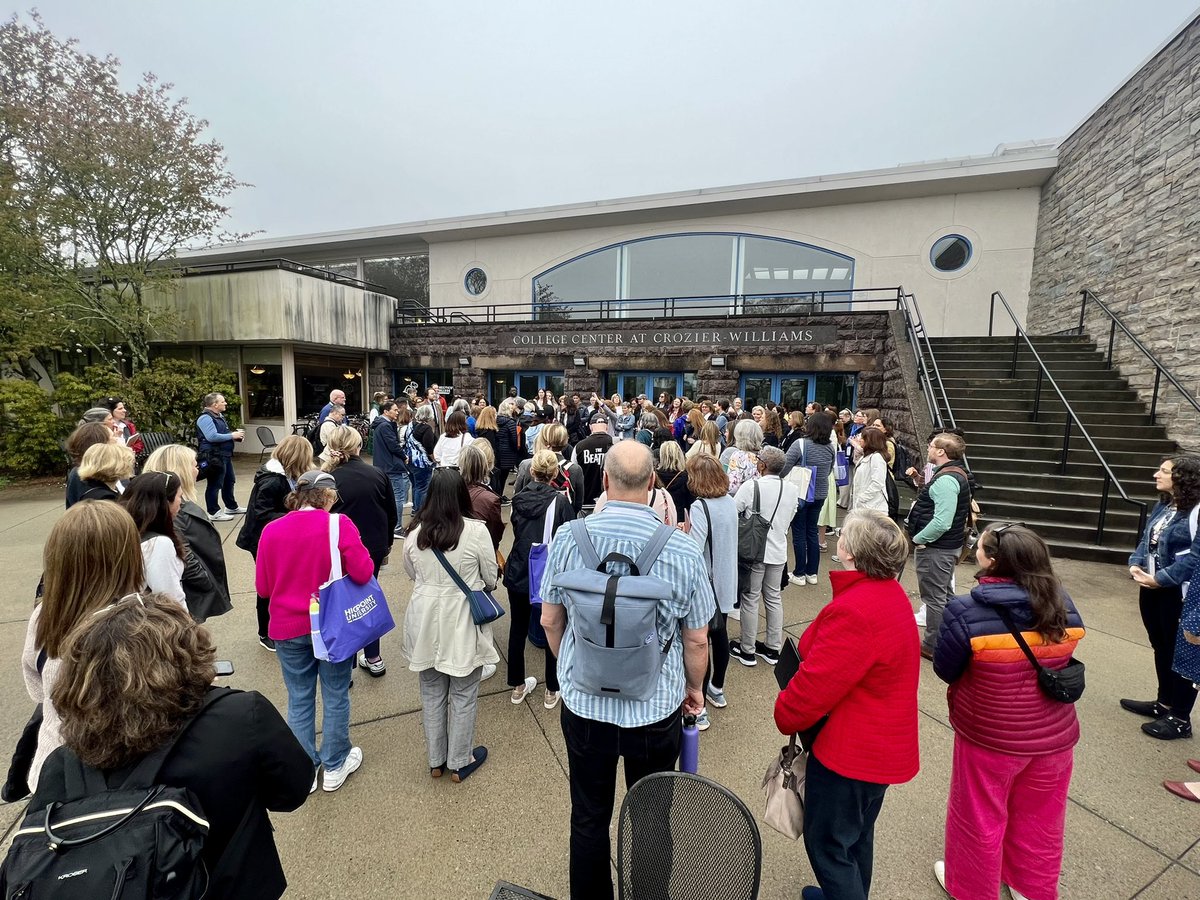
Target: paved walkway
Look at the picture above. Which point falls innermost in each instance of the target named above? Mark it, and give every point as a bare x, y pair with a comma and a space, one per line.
392, 832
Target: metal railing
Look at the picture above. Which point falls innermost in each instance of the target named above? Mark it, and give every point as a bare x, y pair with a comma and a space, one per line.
1159, 369
718, 306
1071, 419
929, 373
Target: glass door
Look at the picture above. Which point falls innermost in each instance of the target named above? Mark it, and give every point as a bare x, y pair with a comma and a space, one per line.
528, 385
756, 390
793, 392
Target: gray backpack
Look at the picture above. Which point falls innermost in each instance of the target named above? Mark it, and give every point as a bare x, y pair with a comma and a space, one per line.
618, 650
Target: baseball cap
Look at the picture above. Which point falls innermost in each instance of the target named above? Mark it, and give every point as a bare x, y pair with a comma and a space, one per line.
315, 479
598, 419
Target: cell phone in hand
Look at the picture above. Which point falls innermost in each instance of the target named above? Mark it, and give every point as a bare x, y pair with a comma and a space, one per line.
223, 667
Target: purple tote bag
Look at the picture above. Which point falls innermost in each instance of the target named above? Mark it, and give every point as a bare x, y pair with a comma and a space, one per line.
350, 615
538, 554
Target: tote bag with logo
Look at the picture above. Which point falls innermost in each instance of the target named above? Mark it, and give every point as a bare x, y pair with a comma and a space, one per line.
350, 615
803, 476
538, 554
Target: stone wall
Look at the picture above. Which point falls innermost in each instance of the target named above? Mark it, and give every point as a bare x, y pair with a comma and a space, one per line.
1121, 216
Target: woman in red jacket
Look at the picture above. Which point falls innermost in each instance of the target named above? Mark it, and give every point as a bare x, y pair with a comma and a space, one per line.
858, 683
292, 564
1014, 746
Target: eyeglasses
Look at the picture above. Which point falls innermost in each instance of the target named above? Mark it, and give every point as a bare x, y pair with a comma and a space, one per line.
1003, 528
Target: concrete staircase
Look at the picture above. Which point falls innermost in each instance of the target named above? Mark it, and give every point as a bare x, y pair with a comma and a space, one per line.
1016, 459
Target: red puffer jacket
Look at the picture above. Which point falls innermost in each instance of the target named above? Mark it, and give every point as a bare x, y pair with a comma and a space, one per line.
861, 662
994, 697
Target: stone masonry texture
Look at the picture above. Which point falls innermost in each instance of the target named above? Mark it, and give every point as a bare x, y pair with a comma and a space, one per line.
1121, 217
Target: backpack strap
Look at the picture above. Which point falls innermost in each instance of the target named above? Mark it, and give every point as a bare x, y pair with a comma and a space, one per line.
583, 543
650, 552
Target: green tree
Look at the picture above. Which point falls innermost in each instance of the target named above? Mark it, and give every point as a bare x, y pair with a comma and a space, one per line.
114, 183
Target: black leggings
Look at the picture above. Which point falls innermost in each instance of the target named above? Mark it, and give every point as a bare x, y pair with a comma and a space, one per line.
1161, 609
718, 664
499, 480
518, 633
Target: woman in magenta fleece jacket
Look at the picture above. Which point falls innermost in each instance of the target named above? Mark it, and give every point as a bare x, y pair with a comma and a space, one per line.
293, 562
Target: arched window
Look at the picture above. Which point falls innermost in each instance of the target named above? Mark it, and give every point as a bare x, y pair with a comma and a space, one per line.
692, 270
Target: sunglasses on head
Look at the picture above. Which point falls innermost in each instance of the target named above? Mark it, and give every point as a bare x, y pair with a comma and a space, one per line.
1000, 529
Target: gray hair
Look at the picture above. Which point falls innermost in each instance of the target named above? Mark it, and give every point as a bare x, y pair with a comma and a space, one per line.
772, 459
95, 414
424, 413
748, 435
877, 545
337, 408
210, 399
649, 421
461, 405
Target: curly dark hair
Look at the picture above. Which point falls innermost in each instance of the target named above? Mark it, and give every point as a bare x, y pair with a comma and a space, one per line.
132, 675
1185, 481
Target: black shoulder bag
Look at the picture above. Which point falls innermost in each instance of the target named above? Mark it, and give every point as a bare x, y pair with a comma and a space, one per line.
1064, 685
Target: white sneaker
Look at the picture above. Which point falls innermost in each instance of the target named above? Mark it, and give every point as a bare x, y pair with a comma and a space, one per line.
735, 614
939, 872
521, 691
551, 699
220, 516
316, 775
489, 669
921, 616
240, 511
1016, 895
335, 778
811, 579
702, 721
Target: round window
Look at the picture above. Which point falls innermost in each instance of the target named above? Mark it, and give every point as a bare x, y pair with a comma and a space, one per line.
476, 282
950, 253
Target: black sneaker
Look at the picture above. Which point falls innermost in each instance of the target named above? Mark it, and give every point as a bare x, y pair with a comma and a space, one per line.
770, 657
1168, 728
1151, 709
266, 643
736, 651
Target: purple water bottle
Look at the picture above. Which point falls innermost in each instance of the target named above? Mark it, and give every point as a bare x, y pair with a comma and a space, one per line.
689, 747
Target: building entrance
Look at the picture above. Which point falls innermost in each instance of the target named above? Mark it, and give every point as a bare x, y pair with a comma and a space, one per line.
631, 384
797, 390
527, 383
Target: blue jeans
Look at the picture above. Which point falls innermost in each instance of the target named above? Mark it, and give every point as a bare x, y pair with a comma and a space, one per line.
301, 671
400, 486
420, 484
804, 537
220, 479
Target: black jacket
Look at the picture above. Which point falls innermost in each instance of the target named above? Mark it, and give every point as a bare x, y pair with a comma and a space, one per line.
97, 490
365, 495
676, 484
240, 749
528, 521
507, 454
205, 583
271, 487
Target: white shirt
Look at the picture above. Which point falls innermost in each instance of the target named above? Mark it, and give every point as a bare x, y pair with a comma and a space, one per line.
164, 569
446, 450
769, 488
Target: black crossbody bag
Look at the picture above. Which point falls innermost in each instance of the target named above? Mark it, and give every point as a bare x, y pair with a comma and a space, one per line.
1064, 685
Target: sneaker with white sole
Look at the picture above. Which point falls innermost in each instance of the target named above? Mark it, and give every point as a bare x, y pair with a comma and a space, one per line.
745, 657
811, 579
240, 511
702, 722
939, 872
377, 667
716, 696
489, 669
335, 778
316, 775
920, 615
551, 699
220, 516
522, 691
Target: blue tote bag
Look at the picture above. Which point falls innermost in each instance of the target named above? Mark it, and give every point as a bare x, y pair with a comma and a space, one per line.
841, 469
538, 554
349, 615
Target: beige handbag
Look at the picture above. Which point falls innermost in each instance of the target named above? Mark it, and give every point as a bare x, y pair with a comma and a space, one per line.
783, 786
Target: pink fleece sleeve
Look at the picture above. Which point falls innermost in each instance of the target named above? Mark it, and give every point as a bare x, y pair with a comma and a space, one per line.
356, 561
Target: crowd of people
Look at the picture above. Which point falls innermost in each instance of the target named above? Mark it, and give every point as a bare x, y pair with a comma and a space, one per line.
667, 491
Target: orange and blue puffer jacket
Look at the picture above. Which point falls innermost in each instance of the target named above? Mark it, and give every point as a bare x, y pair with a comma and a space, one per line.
994, 697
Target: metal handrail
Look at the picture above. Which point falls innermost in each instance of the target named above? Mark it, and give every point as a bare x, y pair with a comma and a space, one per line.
937, 374
1159, 369
701, 306
923, 379
1044, 373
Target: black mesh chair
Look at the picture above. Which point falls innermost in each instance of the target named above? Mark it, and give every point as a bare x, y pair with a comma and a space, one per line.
683, 835
266, 437
505, 891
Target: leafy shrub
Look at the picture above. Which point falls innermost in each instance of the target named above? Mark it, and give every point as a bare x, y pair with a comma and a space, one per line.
30, 431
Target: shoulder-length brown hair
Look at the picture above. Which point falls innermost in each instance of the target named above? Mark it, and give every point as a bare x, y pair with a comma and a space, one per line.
705, 476
92, 556
1019, 553
486, 419
132, 675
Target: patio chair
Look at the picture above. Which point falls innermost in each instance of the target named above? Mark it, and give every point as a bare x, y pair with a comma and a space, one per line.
684, 835
266, 437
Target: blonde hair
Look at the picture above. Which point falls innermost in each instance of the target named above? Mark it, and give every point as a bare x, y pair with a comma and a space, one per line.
486, 419
108, 463
543, 466
878, 545
179, 461
670, 457
295, 454
553, 436
92, 557
343, 443
475, 462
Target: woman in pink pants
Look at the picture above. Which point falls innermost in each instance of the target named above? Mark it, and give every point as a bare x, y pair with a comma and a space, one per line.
1013, 744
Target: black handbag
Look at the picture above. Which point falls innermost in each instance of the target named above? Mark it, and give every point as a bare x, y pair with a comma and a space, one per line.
752, 531
1064, 685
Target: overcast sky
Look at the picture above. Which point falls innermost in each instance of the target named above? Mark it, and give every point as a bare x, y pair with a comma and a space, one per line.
353, 114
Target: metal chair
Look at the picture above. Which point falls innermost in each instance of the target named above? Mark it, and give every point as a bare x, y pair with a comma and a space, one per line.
266, 437
684, 835
506, 891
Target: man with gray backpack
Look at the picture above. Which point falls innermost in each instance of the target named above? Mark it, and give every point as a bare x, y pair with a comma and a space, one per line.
632, 659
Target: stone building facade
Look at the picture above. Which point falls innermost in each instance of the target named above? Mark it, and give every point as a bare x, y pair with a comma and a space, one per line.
1121, 217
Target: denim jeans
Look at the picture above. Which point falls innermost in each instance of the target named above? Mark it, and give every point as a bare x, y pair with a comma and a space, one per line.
420, 484
220, 479
805, 543
301, 671
400, 487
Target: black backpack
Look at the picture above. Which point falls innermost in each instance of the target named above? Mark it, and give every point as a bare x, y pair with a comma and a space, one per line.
140, 840
313, 436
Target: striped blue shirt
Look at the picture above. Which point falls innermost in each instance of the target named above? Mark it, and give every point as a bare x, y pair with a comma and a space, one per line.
626, 528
